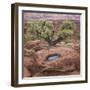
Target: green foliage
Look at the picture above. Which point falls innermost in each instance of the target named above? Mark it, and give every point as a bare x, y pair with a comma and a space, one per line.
66, 33
40, 29
66, 30
43, 29
67, 24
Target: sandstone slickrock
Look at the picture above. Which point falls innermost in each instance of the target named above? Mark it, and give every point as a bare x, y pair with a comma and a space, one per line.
26, 72
67, 64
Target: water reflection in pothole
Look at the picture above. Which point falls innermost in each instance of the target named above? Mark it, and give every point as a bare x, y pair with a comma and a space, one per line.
53, 57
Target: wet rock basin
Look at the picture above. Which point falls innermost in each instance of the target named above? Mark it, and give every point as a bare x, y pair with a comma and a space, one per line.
53, 57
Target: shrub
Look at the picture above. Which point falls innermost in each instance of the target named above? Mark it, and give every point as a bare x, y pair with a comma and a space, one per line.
66, 30
43, 30
40, 29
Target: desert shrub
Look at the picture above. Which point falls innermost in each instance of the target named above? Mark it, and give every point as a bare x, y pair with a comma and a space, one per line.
43, 30
39, 29
67, 24
66, 30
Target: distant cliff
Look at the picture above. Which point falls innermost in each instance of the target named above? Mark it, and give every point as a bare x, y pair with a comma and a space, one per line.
49, 16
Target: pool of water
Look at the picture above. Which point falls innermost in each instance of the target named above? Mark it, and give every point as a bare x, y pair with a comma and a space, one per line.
53, 57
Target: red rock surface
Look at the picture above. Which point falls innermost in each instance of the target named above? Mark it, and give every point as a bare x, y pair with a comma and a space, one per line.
67, 64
